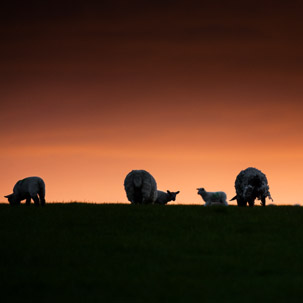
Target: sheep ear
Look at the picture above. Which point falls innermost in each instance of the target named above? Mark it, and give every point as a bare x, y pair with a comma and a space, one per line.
178, 192
168, 192
7, 196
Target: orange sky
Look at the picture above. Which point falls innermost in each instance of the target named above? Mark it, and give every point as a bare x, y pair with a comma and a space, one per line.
192, 93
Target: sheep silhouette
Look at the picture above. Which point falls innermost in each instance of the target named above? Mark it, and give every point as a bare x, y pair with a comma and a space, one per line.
165, 197
251, 184
212, 198
28, 188
140, 187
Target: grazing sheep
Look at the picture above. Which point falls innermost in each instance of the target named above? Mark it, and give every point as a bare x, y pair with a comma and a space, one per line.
28, 188
140, 187
164, 197
212, 198
251, 184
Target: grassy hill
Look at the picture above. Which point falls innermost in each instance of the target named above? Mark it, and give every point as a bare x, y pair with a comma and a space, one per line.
126, 253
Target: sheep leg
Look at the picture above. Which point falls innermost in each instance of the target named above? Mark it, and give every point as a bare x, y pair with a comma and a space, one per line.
41, 198
263, 201
241, 202
28, 201
42, 201
36, 200
251, 203
137, 196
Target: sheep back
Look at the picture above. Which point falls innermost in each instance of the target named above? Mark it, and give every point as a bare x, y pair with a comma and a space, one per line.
140, 187
29, 185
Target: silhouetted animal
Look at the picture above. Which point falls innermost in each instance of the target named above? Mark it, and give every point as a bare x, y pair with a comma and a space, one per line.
251, 184
212, 198
28, 188
140, 187
164, 197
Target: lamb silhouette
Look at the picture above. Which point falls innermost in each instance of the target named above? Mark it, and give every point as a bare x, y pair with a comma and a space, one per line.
28, 188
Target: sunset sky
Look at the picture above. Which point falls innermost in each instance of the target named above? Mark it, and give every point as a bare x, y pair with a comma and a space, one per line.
191, 91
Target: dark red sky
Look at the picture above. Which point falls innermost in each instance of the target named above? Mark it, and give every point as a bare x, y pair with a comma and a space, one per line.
144, 79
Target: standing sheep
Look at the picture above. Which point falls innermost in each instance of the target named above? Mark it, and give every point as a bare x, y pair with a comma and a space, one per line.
212, 198
251, 184
164, 197
28, 188
140, 187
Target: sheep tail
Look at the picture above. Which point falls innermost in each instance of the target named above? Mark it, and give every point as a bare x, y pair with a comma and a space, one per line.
137, 181
234, 198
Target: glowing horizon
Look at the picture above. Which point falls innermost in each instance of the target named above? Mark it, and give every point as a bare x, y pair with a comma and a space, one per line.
193, 96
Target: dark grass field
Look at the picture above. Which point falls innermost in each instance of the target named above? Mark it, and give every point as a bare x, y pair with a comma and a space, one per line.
126, 253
